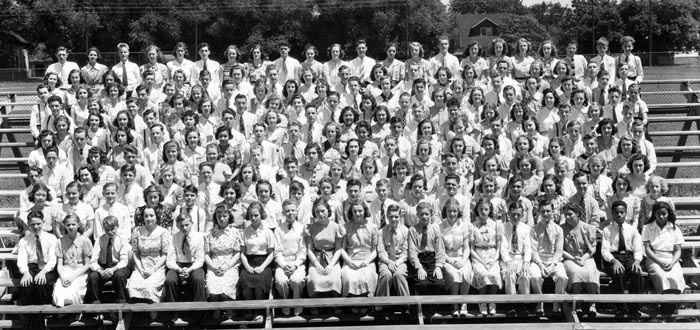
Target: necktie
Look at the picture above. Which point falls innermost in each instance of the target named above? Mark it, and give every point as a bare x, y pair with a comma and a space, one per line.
622, 246
382, 221
546, 239
125, 76
207, 198
108, 253
186, 246
310, 135
514, 239
614, 113
390, 168
601, 99
241, 124
424, 239
624, 90
289, 225
392, 246
204, 65
284, 69
39, 252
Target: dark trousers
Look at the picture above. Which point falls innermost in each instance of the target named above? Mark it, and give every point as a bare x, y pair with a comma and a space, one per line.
196, 286
619, 281
36, 294
430, 285
96, 282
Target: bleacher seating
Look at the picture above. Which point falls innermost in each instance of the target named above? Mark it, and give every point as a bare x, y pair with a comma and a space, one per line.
671, 126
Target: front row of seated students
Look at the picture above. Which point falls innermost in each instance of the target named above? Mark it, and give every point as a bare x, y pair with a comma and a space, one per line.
429, 258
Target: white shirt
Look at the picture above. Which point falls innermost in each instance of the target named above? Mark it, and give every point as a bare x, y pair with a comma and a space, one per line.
362, 67
63, 70
288, 68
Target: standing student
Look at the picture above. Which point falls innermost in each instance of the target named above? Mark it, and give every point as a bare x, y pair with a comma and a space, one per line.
62, 67
205, 64
109, 262
128, 72
635, 72
288, 68
605, 61
362, 65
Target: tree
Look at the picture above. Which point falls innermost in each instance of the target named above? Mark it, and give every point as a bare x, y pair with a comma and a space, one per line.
487, 6
518, 26
674, 23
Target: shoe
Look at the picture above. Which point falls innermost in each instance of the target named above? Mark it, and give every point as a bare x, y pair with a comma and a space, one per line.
492, 309
258, 318
482, 310
556, 308
592, 311
634, 314
286, 311
512, 312
455, 314
464, 312
298, 311
539, 310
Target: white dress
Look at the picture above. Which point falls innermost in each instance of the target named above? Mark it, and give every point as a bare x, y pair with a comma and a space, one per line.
360, 241
73, 253
221, 245
662, 242
148, 248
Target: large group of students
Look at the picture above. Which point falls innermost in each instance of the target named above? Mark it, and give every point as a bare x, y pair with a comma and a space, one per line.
227, 181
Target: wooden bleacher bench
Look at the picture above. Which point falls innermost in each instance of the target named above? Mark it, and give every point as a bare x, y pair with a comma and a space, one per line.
673, 133
683, 180
22, 160
672, 118
15, 130
12, 176
16, 144
676, 148
675, 106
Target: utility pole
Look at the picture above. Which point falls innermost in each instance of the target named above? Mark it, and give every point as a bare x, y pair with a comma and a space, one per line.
650, 28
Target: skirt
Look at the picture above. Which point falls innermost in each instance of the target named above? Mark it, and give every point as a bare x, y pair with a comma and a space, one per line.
225, 284
666, 280
360, 281
256, 281
484, 276
74, 293
316, 283
150, 288
587, 274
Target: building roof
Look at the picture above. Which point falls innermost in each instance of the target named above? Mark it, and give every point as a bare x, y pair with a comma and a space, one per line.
16, 37
471, 20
